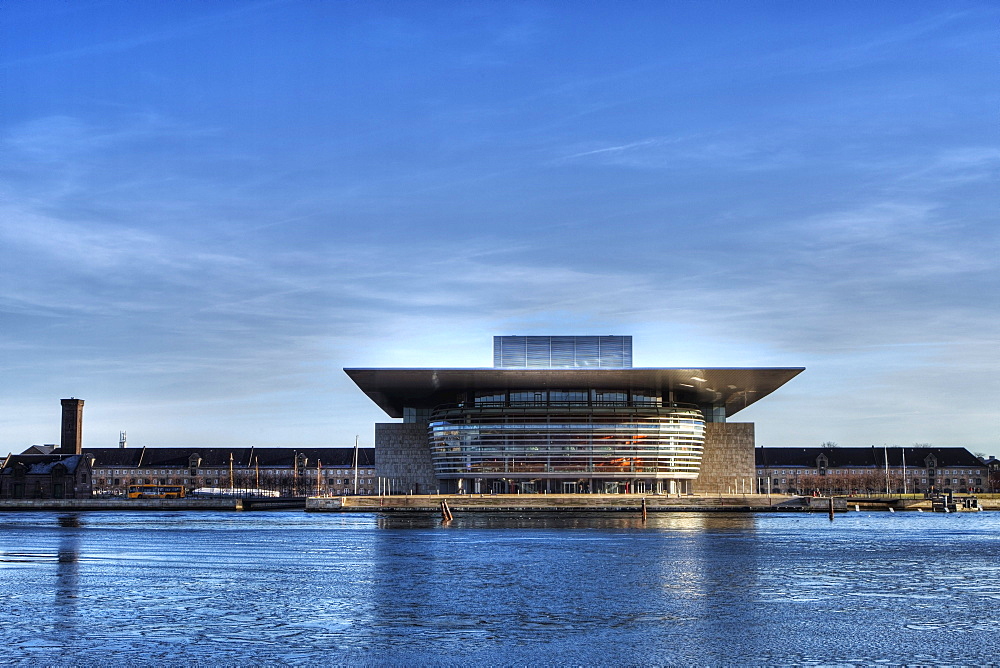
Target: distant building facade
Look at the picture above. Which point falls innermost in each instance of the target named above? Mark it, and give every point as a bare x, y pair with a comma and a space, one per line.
70, 471
871, 470
993, 467
47, 472
566, 414
46, 476
289, 471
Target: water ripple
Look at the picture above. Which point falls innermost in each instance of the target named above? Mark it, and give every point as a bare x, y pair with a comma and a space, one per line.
289, 588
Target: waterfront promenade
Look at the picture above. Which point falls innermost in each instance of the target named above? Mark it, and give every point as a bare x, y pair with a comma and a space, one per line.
498, 503
555, 503
619, 503
113, 503
432, 503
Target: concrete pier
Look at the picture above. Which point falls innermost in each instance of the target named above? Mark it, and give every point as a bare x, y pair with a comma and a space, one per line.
460, 503
122, 503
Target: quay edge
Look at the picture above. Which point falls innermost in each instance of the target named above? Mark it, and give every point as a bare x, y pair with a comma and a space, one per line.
121, 503
489, 503
484, 503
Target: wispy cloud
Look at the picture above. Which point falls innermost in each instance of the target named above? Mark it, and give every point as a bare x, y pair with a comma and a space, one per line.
392, 185
684, 152
195, 25
954, 166
616, 149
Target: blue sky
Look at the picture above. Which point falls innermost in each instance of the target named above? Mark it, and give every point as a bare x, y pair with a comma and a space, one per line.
207, 210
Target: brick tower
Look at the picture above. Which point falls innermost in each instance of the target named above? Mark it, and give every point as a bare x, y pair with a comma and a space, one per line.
72, 427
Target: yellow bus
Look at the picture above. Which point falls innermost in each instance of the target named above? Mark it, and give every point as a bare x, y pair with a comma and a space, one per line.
155, 492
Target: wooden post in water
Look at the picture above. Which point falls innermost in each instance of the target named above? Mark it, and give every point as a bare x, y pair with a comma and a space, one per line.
644, 509
831, 508
446, 511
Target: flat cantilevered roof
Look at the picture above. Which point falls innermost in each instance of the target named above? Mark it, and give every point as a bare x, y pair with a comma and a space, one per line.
392, 389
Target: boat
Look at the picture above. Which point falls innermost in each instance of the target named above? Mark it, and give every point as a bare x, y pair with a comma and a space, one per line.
949, 503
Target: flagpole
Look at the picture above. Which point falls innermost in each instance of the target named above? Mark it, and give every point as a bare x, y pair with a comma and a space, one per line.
903, 451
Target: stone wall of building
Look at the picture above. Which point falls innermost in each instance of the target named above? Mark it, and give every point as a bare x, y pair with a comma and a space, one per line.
46, 477
727, 462
403, 458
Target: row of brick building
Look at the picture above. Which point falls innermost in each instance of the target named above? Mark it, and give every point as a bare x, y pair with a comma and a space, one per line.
71, 472
874, 470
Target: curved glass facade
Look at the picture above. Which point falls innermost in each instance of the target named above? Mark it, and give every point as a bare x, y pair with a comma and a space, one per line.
528, 444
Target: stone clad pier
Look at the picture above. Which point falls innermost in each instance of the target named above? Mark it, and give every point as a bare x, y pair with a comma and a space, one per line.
556, 503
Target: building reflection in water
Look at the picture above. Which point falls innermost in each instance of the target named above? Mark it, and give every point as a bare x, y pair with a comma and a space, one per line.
67, 587
708, 573
673, 521
497, 580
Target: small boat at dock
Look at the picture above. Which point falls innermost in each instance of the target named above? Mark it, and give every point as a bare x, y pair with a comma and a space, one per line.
949, 503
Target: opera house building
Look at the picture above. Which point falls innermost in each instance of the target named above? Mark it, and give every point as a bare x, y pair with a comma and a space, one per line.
566, 414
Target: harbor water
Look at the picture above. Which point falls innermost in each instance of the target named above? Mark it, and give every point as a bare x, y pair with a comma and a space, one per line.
294, 588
